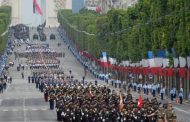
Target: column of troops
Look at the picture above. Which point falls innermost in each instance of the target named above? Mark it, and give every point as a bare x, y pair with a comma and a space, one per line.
46, 54
37, 63
78, 102
41, 57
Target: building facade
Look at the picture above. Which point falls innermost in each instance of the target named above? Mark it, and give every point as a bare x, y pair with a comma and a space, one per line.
4, 2
107, 5
52, 7
16, 11
77, 5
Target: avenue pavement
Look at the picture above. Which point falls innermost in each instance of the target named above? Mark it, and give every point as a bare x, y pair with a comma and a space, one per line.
22, 102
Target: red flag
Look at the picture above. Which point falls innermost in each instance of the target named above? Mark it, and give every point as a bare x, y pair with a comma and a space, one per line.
165, 72
145, 71
120, 102
36, 7
154, 70
170, 72
98, 9
140, 103
160, 71
182, 72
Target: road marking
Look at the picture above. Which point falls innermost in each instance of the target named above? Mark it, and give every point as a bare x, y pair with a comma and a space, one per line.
34, 109
5, 110
24, 110
15, 110
181, 110
44, 109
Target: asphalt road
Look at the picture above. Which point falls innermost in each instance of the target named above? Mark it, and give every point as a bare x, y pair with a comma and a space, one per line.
22, 102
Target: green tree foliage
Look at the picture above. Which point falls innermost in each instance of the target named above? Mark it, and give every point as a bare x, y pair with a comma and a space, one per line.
128, 34
3, 42
5, 17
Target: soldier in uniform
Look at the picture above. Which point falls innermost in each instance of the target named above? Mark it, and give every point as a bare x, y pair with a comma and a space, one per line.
170, 115
46, 95
51, 101
59, 107
129, 96
76, 103
160, 113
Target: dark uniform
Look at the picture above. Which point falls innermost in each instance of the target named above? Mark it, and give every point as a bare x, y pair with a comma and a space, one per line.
51, 102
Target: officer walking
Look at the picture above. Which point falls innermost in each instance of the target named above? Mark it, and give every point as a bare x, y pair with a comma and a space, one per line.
154, 90
171, 94
162, 93
181, 97
144, 88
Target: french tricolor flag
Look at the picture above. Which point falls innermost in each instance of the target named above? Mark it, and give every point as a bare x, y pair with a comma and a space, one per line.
36, 7
158, 61
104, 59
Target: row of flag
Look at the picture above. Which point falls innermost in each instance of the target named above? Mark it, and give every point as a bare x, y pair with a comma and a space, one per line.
144, 70
159, 66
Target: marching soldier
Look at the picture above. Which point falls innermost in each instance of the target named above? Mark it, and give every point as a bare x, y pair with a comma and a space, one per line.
170, 115
129, 96
51, 102
160, 113
46, 95
59, 107
76, 103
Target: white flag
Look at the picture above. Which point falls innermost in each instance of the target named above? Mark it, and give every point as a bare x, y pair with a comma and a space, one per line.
182, 61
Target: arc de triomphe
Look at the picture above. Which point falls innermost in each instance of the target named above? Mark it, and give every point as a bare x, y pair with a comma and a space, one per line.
22, 11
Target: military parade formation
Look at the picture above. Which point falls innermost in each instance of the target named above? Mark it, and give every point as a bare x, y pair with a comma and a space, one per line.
81, 101
77, 100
